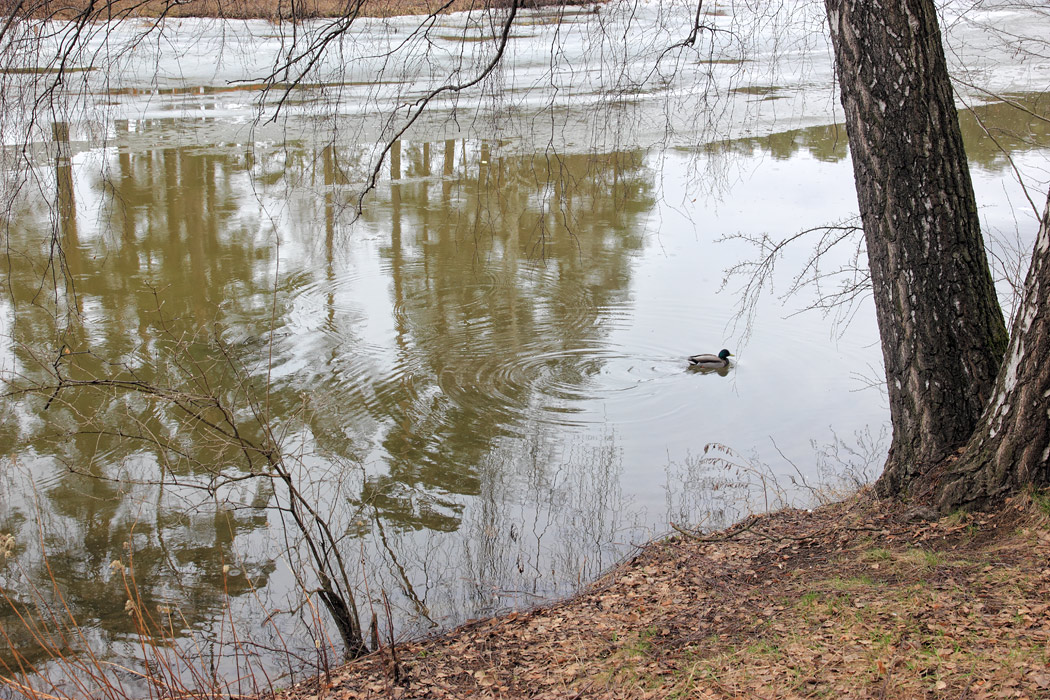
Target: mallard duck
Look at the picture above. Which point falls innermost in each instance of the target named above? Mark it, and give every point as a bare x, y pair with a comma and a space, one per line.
711, 361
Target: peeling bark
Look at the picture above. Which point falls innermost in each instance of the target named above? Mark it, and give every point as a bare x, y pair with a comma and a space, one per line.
1011, 447
941, 327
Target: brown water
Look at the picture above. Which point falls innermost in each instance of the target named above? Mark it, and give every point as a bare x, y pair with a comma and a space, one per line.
481, 382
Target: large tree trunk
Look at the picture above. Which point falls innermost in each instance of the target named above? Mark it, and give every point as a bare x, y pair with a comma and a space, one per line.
1011, 446
942, 330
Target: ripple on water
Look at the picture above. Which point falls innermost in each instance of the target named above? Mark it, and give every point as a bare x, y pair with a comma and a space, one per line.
516, 345
566, 378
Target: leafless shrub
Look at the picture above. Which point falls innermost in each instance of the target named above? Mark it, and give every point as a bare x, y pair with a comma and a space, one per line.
721, 486
49, 654
842, 468
235, 443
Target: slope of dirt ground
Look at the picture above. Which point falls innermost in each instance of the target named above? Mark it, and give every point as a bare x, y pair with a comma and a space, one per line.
860, 599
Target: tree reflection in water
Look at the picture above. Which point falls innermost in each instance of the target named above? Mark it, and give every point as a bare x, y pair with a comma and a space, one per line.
421, 404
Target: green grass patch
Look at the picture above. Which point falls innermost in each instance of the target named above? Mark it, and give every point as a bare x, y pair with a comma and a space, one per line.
878, 554
1041, 499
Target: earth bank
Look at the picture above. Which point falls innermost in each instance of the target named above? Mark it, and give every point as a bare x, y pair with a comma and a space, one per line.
858, 599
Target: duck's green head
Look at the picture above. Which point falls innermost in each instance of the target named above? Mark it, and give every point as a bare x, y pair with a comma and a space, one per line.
724, 354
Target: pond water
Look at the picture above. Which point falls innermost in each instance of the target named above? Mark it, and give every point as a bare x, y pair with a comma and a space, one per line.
480, 380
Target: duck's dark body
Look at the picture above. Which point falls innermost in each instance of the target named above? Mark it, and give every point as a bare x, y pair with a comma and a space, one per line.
711, 361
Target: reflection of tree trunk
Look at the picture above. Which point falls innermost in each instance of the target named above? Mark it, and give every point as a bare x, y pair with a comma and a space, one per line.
172, 201
195, 226
424, 166
69, 240
128, 196
942, 331
448, 167
1011, 447
396, 258
556, 207
211, 218
395, 161
514, 203
127, 188
424, 194
475, 192
447, 170
328, 159
64, 180
483, 166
